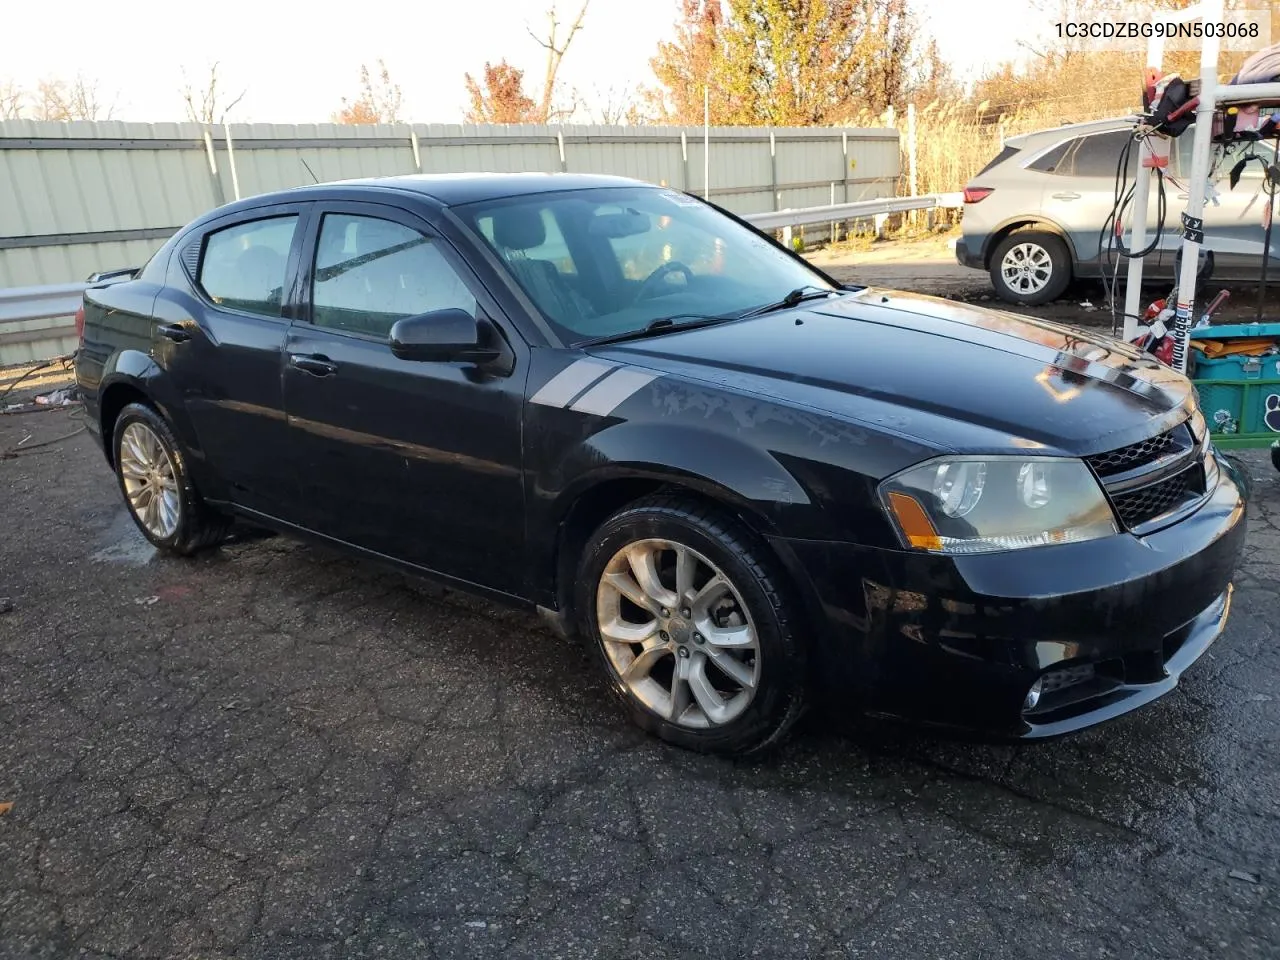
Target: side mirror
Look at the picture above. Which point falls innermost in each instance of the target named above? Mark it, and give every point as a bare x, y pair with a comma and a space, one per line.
448, 335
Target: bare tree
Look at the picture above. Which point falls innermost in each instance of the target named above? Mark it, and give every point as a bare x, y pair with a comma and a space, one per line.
74, 100
13, 100
203, 103
556, 45
615, 105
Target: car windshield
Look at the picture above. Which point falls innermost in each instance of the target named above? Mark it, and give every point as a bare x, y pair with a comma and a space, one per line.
604, 262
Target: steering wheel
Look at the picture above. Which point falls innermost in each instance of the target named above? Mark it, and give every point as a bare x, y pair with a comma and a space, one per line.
649, 286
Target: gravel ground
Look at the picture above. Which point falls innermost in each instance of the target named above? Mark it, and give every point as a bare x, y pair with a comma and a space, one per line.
275, 751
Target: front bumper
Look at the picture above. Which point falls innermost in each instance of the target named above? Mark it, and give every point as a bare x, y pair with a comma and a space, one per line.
1107, 625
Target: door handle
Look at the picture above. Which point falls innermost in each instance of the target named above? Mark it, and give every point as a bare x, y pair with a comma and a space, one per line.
174, 331
313, 364
1066, 196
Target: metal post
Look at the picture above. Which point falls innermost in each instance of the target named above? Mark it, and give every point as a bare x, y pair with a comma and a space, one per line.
706, 143
218, 195
231, 161
773, 171
684, 161
832, 238
417, 155
844, 168
911, 156
560, 141
1202, 142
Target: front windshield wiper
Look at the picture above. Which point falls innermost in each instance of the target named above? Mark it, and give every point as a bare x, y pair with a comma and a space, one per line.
655, 328
796, 296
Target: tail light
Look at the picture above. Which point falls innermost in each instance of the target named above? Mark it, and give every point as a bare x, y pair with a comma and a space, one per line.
79, 323
974, 194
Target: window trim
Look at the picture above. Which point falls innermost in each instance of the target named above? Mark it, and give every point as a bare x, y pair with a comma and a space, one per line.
272, 211
383, 211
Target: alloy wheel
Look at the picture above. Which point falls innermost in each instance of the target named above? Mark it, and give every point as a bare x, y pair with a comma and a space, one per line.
1026, 268
150, 482
677, 634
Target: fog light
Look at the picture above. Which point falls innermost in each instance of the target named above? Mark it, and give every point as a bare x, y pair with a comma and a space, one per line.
1033, 697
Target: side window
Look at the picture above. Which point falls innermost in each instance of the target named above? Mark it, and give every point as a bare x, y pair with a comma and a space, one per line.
372, 272
243, 267
1232, 153
1052, 161
1091, 156
1099, 155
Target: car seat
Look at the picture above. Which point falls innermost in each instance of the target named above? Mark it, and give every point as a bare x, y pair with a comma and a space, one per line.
516, 231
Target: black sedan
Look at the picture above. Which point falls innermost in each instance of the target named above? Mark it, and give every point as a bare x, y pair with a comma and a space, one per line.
742, 483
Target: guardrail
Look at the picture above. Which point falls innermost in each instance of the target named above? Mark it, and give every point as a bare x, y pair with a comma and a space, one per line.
35, 322
857, 210
26, 332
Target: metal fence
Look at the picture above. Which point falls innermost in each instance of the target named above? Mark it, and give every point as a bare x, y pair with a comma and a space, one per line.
78, 197
81, 197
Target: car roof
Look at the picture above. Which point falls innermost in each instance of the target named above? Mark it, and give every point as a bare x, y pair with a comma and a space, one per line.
452, 189
1053, 134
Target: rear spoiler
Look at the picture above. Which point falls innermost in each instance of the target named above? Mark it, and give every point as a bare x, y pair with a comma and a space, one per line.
103, 276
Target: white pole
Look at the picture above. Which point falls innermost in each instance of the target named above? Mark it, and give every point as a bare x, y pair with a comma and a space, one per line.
231, 161
706, 143
417, 155
1202, 145
1141, 198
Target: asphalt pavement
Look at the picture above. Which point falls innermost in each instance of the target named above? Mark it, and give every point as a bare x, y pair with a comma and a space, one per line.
273, 751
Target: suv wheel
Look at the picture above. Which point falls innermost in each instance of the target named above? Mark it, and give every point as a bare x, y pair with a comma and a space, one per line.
1030, 267
157, 490
693, 626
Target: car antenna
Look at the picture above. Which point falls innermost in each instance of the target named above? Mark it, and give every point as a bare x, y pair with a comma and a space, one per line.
314, 178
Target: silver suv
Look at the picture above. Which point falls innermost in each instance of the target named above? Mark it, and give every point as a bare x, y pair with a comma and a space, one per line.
1033, 215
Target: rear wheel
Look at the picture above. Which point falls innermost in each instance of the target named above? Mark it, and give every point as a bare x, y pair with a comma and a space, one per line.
694, 626
157, 490
1030, 267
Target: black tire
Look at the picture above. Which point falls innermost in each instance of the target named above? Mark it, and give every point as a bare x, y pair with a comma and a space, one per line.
1060, 269
1275, 455
198, 527
780, 691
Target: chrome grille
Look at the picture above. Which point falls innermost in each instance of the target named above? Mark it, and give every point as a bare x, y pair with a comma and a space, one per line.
1139, 454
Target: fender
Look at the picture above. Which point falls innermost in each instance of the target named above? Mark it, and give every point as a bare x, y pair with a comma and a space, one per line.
1038, 219
140, 372
744, 478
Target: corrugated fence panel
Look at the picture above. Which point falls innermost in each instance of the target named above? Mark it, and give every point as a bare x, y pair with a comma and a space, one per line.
78, 197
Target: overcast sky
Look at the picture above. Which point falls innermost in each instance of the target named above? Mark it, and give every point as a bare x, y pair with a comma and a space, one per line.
296, 62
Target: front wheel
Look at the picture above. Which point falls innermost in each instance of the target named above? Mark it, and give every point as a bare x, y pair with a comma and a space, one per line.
153, 477
694, 626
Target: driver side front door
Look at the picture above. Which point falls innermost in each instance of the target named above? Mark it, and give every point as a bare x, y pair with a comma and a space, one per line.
417, 461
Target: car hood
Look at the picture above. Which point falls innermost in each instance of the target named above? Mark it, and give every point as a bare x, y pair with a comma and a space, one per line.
952, 376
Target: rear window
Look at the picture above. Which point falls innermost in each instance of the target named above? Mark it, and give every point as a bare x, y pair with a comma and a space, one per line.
1000, 157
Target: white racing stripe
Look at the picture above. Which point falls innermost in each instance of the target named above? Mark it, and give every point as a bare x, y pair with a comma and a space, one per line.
571, 381
608, 394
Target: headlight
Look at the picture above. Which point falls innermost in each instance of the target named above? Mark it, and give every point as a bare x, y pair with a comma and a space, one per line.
961, 505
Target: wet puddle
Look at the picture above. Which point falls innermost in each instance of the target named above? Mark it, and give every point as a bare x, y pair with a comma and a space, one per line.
123, 543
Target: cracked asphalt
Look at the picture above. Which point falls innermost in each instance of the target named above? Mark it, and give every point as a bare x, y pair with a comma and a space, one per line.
274, 751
